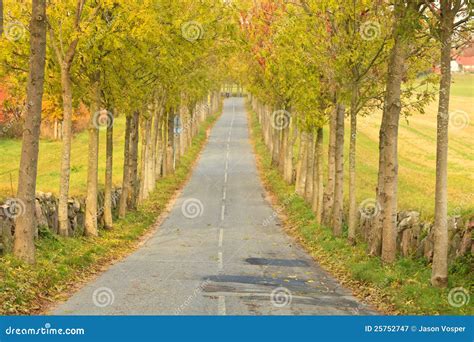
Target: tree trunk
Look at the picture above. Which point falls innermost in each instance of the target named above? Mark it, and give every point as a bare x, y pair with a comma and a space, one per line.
145, 160
142, 161
308, 193
270, 142
25, 224
134, 180
170, 144
275, 136
154, 146
159, 146
55, 129
126, 186
288, 153
171, 149
282, 164
375, 233
352, 168
166, 170
109, 154
439, 276
318, 176
184, 131
302, 168
90, 220
64, 225
339, 177
263, 114
328, 198
389, 149
150, 165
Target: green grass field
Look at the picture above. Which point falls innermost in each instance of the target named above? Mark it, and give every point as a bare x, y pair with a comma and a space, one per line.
417, 156
50, 159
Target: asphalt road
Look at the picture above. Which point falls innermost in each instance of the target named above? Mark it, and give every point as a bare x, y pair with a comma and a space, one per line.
221, 251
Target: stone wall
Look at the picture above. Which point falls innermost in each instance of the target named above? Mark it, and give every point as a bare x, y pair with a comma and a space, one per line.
415, 238
47, 216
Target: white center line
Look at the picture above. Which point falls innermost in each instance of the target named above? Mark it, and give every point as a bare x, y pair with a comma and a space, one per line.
221, 237
225, 178
224, 193
221, 263
221, 306
222, 211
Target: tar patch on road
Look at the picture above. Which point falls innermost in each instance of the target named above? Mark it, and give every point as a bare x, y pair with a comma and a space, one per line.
277, 262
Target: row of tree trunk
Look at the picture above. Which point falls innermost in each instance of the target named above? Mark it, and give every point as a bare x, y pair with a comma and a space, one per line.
155, 140
306, 170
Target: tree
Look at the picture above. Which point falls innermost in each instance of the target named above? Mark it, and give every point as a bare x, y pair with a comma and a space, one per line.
90, 217
339, 172
65, 52
388, 157
25, 224
404, 62
451, 15
108, 219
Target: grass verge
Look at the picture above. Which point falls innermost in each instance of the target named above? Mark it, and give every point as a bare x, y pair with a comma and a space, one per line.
401, 288
63, 263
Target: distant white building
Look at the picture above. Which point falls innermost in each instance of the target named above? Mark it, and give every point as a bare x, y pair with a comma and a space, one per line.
465, 59
455, 67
